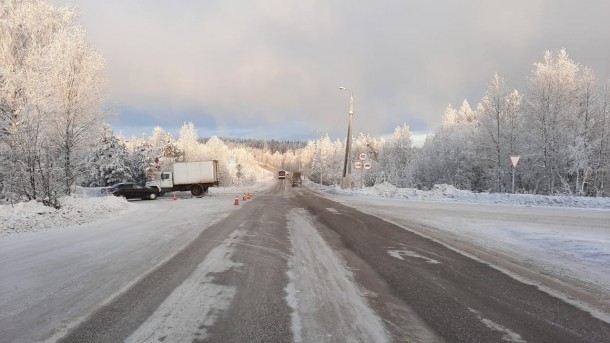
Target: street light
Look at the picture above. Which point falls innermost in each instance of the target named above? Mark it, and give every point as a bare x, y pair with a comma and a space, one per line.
347, 168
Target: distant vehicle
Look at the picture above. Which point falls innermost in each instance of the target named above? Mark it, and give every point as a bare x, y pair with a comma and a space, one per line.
281, 174
196, 177
131, 191
296, 179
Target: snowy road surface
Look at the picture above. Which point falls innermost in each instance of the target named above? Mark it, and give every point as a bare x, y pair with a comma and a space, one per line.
291, 266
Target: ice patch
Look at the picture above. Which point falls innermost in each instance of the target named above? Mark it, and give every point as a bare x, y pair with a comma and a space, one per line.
400, 253
196, 303
325, 300
509, 336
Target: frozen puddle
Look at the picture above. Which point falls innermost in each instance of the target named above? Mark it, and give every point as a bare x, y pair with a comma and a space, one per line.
327, 304
195, 304
400, 253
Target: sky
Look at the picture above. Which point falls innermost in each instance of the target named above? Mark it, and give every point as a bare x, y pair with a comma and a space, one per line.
272, 69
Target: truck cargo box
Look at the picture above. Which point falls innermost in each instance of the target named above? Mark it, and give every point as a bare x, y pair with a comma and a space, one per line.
195, 172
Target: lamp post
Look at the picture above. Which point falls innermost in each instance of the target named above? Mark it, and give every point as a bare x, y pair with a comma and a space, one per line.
347, 168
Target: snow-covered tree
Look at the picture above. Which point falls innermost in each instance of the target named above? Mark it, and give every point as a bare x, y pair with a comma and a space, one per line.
498, 127
50, 82
188, 142
550, 109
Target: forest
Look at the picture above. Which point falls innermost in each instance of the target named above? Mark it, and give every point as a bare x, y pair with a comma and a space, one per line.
54, 135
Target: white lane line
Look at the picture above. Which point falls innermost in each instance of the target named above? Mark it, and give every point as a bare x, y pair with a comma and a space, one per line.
509, 336
400, 253
327, 304
195, 304
332, 210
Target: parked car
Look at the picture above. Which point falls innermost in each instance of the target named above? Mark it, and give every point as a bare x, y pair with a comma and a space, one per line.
131, 190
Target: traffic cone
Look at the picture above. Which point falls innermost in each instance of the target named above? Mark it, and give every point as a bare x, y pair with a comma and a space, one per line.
249, 195
244, 198
236, 201
174, 197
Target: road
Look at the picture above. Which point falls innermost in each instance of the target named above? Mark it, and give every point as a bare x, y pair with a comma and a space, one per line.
291, 266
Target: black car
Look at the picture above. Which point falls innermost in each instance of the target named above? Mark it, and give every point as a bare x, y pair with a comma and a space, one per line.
131, 190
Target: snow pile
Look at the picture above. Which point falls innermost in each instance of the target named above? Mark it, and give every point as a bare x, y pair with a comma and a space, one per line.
34, 216
450, 193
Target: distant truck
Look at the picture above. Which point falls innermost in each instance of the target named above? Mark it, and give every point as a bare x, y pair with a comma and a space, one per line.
281, 174
196, 177
296, 179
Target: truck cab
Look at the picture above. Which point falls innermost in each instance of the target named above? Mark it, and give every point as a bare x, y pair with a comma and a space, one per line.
164, 185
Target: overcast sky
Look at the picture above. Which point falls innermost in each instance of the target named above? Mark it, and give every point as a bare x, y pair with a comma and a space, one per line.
271, 69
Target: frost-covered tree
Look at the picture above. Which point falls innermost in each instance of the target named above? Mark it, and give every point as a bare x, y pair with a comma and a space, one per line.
74, 77
397, 157
188, 142
108, 162
50, 82
449, 156
550, 109
499, 124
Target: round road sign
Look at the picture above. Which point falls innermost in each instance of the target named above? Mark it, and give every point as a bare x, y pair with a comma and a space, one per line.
367, 165
358, 165
362, 157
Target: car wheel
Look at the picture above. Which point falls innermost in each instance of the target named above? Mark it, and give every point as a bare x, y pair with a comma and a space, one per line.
152, 196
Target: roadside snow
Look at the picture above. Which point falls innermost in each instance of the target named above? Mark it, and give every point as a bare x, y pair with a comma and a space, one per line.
447, 193
88, 205
33, 216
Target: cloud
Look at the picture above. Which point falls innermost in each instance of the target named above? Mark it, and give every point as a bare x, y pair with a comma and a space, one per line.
273, 67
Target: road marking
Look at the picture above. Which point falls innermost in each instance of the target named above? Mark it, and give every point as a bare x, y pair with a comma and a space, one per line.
332, 210
400, 253
509, 336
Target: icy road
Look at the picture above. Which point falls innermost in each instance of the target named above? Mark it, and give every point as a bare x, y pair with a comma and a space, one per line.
287, 266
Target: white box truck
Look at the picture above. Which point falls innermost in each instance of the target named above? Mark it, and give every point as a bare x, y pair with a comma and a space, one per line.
196, 177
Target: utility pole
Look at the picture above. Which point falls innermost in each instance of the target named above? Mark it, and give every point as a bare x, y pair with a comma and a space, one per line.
347, 168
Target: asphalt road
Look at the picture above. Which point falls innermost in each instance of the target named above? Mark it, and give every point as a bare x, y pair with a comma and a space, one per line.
420, 290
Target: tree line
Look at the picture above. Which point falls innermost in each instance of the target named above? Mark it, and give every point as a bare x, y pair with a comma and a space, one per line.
52, 136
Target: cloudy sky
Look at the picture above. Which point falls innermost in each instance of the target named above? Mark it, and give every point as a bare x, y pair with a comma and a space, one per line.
271, 69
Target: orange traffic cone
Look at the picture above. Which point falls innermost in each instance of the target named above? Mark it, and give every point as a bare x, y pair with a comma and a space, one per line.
174, 197
236, 201
249, 195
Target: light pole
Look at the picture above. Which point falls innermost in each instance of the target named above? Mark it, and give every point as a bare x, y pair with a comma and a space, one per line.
347, 168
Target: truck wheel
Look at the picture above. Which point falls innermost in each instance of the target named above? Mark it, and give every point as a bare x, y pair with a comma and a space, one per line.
152, 196
196, 190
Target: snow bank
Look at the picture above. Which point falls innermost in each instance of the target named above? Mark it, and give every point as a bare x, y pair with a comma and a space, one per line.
88, 204
33, 216
450, 193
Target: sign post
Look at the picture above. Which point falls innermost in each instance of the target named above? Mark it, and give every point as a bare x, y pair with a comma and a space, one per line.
514, 159
362, 165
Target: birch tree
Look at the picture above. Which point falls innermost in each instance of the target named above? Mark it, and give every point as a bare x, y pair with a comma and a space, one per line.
550, 107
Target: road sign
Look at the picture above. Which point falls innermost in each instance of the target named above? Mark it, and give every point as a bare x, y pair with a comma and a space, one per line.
362, 157
238, 167
514, 160
239, 174
358, 165
367, 165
